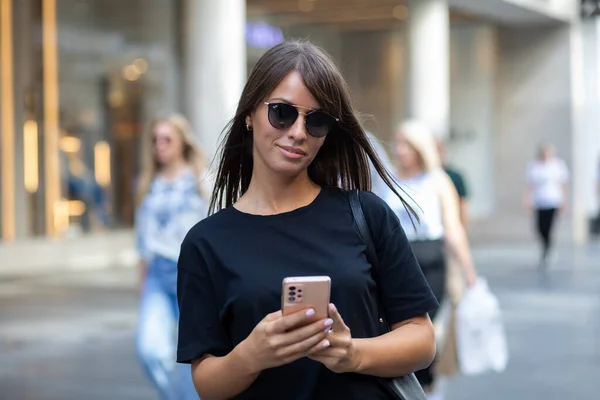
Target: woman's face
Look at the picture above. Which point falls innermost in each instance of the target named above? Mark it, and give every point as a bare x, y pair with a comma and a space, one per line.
406, 155
285, 151
167, 144
547, 153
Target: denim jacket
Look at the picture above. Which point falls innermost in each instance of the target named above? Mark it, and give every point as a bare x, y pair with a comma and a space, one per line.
166, 214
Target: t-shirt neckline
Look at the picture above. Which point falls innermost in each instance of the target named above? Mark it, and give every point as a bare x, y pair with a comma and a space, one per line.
295, 212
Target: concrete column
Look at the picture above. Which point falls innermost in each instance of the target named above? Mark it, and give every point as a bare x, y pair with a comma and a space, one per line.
429, 63
214, 65
474, 70
396, 59
591, 41
585, 69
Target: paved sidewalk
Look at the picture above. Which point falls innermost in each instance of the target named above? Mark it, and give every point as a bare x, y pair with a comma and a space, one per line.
553, 326
69, 336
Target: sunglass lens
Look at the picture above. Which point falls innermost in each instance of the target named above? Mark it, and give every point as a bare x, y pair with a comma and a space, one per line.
281, 115
319, 124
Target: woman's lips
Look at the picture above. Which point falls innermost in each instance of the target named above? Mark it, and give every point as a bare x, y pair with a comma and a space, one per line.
292, 152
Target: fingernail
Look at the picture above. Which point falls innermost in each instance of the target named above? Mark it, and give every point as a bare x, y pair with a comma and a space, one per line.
310, 313
332, 307
326, 343
328, 322
327, 330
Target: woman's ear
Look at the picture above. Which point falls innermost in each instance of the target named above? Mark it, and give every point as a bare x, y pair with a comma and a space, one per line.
248, 121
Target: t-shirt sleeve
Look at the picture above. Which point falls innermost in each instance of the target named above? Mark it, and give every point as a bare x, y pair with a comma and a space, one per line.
461, 186
403, 289
458, 181
200, 331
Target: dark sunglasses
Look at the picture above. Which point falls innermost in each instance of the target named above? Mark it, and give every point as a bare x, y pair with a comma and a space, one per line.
283, 115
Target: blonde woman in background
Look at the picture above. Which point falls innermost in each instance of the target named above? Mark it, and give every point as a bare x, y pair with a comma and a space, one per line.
419, 173
171, 197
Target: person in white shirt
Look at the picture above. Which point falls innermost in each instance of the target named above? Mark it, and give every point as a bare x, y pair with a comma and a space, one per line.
547, 179
439, 230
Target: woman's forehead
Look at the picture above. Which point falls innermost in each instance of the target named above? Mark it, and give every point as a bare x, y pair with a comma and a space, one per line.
293, 90
164, 128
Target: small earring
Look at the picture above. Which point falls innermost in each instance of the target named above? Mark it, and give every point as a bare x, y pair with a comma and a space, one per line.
248, 127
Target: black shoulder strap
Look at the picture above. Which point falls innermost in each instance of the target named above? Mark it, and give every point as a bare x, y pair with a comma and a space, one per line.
363, 227
365, 234
404, 387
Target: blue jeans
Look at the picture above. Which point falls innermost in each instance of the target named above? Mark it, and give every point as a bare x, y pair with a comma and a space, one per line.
157, 332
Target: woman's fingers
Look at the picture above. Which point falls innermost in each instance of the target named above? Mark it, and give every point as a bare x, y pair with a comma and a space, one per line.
306, 346
290, 322
338, 321
319, 328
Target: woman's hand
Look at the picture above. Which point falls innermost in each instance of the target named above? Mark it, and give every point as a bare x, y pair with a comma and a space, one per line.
562, 209
456, 236
278, 340
471, 279
340, 356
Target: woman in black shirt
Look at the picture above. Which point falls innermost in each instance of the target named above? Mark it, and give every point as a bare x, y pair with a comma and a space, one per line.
292, 150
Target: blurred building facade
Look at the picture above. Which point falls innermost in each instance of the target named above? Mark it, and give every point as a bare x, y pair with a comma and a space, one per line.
82, 78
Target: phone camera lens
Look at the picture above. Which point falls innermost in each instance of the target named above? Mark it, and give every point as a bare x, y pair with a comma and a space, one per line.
292, 287
299, 290
292, 298
299, 296
292, 293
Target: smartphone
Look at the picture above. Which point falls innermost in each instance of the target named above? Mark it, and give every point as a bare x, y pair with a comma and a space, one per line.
303, 292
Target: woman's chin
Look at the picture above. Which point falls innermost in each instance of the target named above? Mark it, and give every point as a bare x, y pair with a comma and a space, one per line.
290, 170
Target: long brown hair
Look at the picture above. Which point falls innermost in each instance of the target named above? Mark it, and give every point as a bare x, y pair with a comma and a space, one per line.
342, 161
191, 153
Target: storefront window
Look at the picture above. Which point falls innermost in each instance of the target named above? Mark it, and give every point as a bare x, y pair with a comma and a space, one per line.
117, 68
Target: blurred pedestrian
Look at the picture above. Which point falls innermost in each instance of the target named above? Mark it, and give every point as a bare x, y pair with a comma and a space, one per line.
293, 149
378, 185
419, 173
596, 220
459, 182
547, 179
447, 360
172, 196
80, 183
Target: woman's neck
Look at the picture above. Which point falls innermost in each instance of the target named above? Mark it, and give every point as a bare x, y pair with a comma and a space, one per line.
173, 170
267, 195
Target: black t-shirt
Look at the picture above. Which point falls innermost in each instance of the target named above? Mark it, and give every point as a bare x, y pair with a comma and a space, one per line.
458, 181
231, 269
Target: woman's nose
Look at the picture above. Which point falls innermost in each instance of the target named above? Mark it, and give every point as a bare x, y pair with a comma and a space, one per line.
298, 130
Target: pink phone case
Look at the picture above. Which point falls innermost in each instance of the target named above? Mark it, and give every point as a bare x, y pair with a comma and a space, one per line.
304, 292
